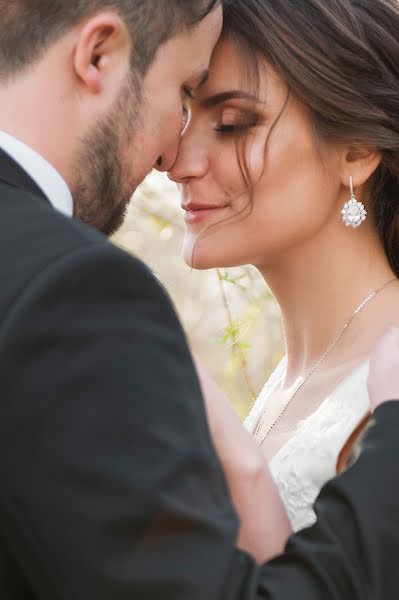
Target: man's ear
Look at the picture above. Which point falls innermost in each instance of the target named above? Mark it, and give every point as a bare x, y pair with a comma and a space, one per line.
360, 164
102, 51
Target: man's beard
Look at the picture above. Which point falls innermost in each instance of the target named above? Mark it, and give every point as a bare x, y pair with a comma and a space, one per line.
103, 182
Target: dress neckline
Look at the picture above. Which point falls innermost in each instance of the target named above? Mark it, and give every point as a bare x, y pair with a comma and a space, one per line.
330, 397
254, 416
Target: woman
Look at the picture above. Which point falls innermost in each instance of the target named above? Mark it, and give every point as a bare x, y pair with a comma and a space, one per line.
289, 161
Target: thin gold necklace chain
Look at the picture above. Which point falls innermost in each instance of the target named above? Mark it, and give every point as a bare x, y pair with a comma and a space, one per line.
321, 359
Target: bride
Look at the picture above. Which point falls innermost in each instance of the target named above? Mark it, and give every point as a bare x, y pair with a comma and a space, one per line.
289, 161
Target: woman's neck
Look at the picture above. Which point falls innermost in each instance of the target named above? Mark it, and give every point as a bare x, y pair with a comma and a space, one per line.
318, 287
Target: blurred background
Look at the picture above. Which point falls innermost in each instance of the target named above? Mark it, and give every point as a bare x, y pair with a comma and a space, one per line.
230, 317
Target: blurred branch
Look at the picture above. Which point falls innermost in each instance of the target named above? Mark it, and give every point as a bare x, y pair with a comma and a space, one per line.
233, 333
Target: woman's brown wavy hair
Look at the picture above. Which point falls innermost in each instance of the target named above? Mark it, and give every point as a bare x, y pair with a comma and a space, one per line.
340, 59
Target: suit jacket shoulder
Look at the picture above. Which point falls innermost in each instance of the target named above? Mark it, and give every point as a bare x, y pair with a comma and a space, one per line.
110, 484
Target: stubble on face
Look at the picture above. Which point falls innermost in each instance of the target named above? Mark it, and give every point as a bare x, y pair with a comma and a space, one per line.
103, 178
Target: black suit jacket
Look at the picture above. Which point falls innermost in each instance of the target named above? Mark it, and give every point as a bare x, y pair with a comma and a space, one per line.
109, 485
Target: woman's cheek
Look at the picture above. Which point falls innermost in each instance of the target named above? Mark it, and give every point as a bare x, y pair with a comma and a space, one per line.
256, 156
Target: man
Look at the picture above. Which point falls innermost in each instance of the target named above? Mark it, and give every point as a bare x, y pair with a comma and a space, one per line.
110, 487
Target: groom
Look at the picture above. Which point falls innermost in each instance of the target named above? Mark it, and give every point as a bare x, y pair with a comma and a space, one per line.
110, 487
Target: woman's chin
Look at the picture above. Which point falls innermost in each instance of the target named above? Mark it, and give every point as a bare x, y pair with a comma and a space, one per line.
198, 263
197, 258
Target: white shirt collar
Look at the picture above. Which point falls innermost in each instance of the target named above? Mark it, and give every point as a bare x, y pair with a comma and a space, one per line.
41, 171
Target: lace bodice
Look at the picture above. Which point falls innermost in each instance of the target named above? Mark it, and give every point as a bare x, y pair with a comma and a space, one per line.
308, 460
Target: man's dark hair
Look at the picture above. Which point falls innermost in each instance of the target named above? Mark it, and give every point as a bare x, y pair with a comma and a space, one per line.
29, 27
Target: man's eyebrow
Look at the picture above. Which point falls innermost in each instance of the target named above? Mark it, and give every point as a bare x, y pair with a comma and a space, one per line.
228, 95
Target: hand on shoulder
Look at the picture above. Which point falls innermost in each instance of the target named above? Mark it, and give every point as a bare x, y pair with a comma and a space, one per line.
264, 524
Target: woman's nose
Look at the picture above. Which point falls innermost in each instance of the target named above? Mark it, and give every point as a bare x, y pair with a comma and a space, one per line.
191, 161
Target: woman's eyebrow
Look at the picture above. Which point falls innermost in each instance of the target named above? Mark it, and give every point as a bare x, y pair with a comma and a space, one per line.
228, 95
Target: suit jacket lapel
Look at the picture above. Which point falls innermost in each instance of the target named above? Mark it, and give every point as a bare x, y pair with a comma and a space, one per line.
13, 174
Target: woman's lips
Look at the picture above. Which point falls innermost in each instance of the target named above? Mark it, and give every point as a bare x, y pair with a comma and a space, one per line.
196, 214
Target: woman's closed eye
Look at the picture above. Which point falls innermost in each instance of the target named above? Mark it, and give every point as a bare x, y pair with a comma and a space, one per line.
234, 123
236, 127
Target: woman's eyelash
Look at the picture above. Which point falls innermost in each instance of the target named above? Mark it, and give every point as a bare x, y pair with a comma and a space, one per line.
235, 128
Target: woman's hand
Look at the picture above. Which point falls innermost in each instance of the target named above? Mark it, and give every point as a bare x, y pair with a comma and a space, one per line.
264, 525
383, 381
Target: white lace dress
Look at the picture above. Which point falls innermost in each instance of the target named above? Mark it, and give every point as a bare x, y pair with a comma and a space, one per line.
308, 460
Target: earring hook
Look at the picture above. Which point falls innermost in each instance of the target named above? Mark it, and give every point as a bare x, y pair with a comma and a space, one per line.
351, 186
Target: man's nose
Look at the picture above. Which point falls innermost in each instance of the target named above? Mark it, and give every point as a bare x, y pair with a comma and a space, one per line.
166, 160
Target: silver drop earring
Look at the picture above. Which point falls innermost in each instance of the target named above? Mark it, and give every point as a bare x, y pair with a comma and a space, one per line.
353, 213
